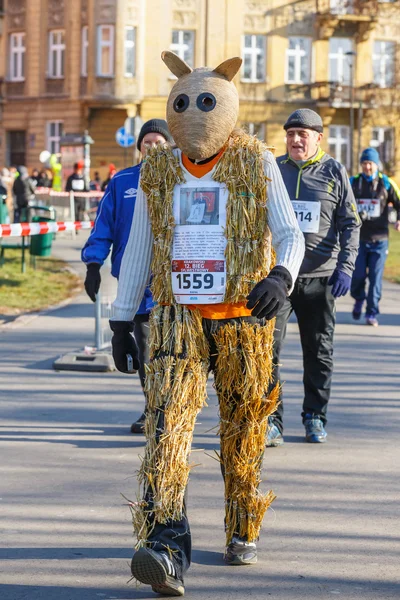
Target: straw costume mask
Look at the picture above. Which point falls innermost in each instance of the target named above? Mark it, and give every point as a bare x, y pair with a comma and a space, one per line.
203, 106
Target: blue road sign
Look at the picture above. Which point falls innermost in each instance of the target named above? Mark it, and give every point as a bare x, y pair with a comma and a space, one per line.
124, 138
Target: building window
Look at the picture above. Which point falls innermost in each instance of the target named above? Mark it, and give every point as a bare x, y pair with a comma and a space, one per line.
254, 50
256, 129
17, 56
84, 50
183, 45
54, 130
105, 51
383, 61
382, 138
130, 58
341, 7
298, 60
338, 141
339, 63
56, 54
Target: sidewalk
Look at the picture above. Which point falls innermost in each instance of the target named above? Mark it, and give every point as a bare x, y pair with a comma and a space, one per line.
67, 455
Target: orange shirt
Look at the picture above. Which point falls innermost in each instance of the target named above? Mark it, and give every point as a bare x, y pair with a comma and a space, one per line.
220, 310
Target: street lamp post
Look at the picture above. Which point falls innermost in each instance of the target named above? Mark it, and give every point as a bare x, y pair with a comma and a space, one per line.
351, 57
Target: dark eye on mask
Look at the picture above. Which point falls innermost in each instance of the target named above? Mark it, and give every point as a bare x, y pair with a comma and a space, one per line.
181, 103
206, 102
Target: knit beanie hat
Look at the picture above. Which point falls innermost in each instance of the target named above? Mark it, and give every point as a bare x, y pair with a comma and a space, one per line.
370, 154
154, 126
305, 118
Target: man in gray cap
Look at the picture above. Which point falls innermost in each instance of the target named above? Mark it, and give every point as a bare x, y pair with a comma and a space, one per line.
325, 207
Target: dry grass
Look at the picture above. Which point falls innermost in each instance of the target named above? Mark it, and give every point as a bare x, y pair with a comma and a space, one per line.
51, 283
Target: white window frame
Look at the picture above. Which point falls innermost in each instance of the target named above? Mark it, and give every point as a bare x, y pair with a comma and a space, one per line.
337, 141
181, 46
384, 58
53, 139
105, 44
298, 54
56, 65
342, 59
257, 129
381, 144
129, 46
17, 51
254, 51
84, 50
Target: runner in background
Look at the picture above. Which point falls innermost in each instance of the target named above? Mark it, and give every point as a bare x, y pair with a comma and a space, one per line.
324, 204
373, 191
111, 228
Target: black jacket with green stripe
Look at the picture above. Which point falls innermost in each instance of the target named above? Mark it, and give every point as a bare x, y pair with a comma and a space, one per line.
335, 241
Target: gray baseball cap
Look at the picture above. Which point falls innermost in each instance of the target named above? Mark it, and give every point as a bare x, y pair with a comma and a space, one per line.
306, 118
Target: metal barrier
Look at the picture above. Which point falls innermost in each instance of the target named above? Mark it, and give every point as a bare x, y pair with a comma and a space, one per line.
103, 307
65, 203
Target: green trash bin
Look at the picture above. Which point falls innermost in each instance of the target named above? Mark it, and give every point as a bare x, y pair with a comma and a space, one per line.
4, 216
41, 244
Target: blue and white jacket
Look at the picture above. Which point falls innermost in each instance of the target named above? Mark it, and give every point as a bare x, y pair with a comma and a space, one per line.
112, 226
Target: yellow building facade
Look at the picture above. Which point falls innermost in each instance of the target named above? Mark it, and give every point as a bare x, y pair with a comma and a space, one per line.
67, 66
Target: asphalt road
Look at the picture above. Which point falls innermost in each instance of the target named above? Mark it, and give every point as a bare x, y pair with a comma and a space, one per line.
67, 455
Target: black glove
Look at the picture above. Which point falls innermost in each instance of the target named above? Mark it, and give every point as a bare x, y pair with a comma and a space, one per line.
125, 350
93, 280
269, 295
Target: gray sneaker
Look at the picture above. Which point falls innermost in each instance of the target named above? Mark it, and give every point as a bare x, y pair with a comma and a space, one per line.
240, 552
274, 436
158, 570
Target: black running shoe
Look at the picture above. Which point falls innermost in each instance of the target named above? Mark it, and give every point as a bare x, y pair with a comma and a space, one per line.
158, 570
138, 426
240, 552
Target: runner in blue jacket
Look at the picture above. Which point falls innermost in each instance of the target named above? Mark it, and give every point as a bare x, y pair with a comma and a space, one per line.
112, 227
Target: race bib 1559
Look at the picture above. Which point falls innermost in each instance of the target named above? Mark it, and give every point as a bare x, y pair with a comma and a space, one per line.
198, 268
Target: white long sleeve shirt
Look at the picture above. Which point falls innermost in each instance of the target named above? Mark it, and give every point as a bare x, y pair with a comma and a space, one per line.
287, 240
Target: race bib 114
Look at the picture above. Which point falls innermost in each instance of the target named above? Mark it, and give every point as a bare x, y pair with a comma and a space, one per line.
307, 215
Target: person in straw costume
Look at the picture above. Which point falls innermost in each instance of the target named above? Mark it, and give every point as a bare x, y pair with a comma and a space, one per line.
215, 227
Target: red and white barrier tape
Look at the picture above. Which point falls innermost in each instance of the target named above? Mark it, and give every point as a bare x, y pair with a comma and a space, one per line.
50, 192
24, 229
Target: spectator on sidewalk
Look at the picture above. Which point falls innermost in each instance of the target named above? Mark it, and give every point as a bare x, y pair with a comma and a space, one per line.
44, 180
112, 227
35, 177
323, 200
95, 184
112, 171
76, 183
24, 192
373, 191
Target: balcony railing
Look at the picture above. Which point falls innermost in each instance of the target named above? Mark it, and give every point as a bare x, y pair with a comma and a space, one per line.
337, 95
328, 92
349, 9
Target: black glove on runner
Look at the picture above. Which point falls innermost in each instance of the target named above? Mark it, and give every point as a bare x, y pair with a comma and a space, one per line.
93, 280
124, 345
269, 295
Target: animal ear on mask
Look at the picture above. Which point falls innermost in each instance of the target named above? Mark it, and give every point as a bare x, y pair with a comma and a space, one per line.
229, 68
176, 65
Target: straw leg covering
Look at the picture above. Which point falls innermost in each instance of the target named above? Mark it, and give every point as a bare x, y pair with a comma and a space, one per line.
176, 392
242, 376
